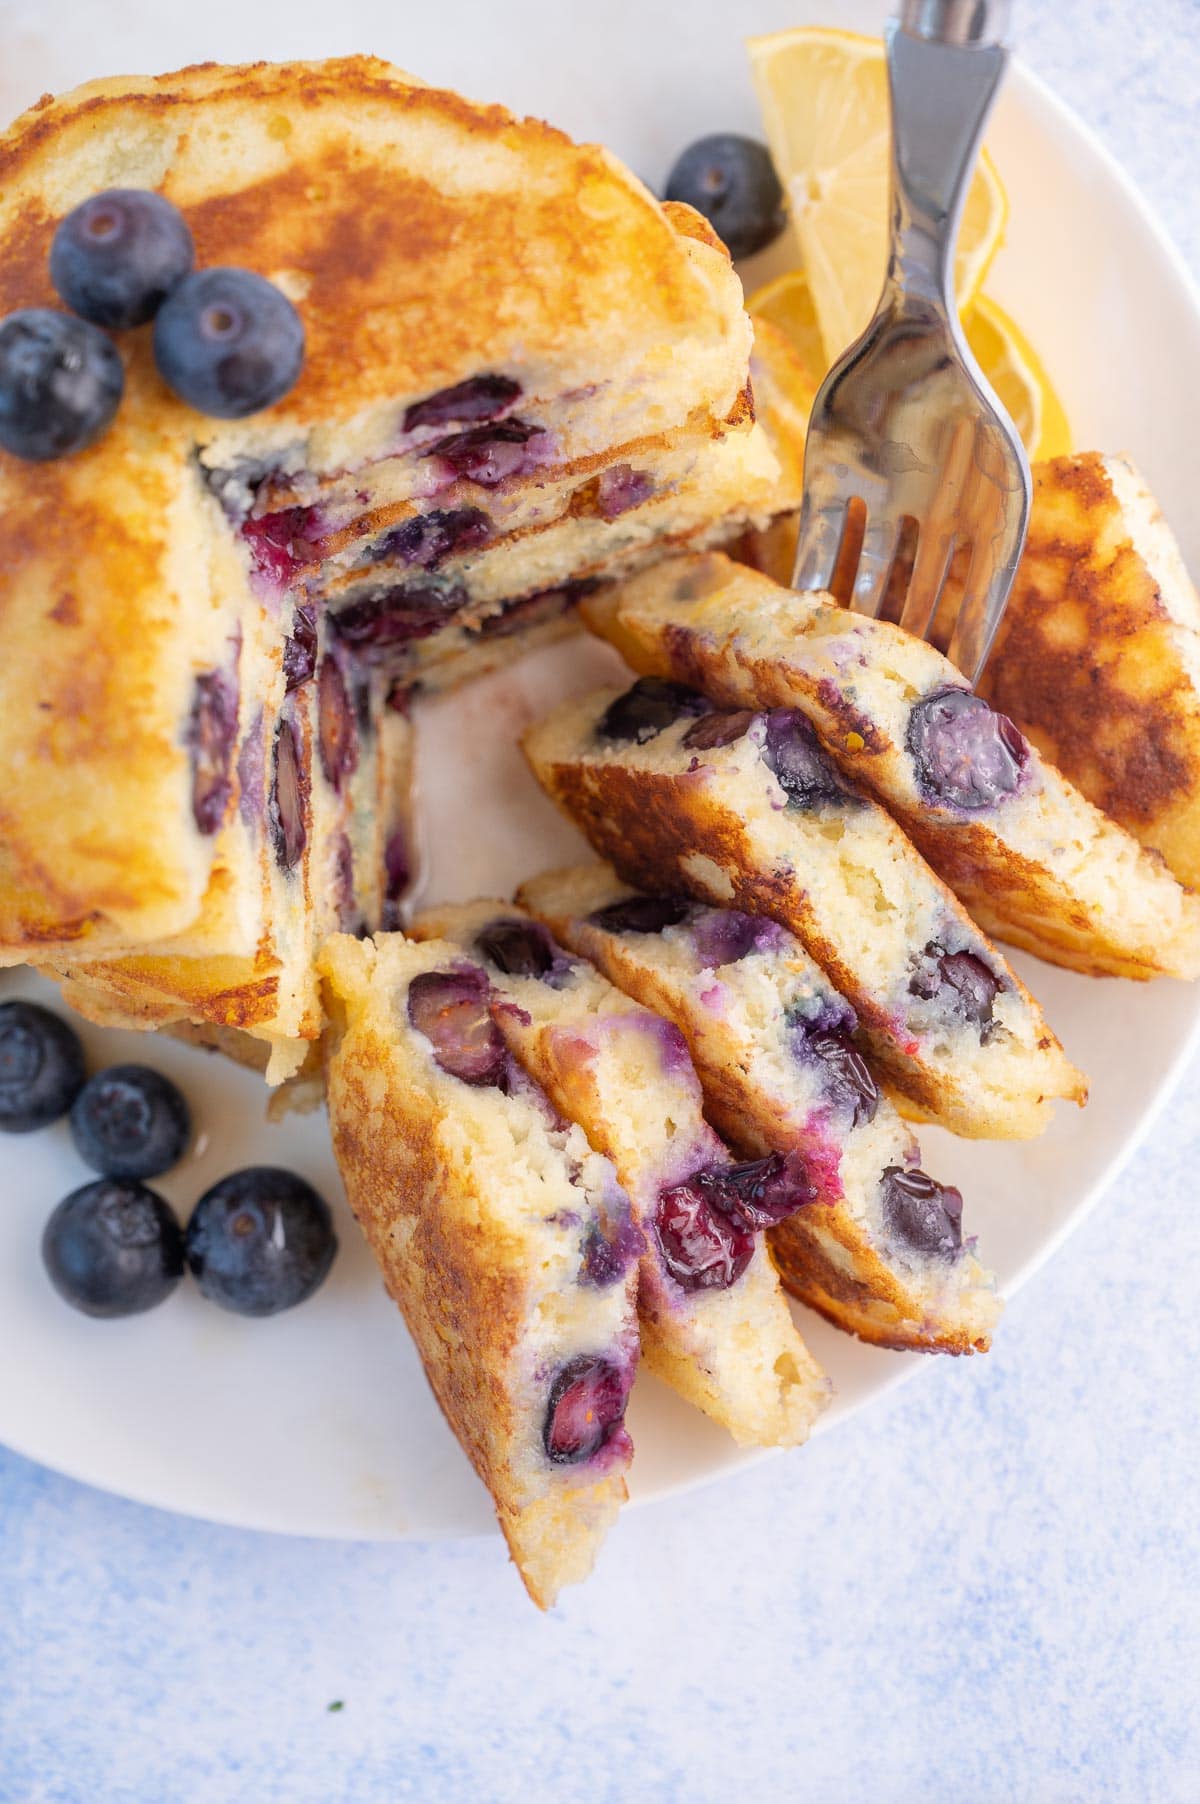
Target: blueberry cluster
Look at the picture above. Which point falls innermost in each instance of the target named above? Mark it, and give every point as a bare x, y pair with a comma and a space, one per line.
259, 1241
226, 340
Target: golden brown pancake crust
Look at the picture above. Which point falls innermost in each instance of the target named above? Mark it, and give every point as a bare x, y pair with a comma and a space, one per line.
403, 208
1087, 662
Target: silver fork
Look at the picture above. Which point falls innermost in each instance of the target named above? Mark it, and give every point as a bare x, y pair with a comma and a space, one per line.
913, 472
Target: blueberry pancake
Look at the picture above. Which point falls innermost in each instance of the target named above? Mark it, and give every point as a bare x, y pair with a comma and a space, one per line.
325, 818
506, 1241
521, 373
1098, 655
880, 1248
1035, 862
745, 810
715, 1323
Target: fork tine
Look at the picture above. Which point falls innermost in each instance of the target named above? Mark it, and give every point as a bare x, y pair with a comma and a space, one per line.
985, 594
817, 547
934, 553
1000, 520
875, 562
938, 532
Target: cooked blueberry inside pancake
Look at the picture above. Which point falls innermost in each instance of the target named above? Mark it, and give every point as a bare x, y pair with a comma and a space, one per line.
965, 754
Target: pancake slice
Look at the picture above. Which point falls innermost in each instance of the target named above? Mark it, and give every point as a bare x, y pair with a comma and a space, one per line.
715, 1324
744, 810
1098, 655
505, 1240
1035, 862
880, 1249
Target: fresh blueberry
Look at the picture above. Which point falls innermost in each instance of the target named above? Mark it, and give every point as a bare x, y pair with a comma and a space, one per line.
116, 257
451, 1009
585, 1409
731, 180
794, 753
721, 727
228, 342
41, 1067
519, 948
703, 1246
61, 382
924, 1214
260, 1241
478, 398
640, 914
211, 733
965, 754
648, 707
113, 1248
130, 1122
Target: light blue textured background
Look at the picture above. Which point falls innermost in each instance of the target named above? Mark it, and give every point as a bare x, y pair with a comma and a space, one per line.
983, 1589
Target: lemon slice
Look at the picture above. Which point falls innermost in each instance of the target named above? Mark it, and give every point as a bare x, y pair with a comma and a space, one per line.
824, 102
1003, 352
1015, 371
787, 303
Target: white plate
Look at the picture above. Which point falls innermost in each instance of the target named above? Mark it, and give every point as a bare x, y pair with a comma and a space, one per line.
320, 1422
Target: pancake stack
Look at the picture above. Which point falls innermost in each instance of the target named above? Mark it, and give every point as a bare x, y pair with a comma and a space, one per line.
522, 375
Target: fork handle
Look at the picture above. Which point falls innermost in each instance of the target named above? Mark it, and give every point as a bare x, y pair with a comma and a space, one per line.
955, 21
945, 64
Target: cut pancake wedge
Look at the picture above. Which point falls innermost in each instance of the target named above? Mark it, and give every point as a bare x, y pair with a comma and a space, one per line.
880, 1249
1098, 655
481, 1205
1036, 863
715, 1324
744, 810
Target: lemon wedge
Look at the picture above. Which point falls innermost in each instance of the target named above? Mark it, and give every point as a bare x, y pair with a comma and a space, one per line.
824, 101
787, 304
1003, 353
1015, 371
